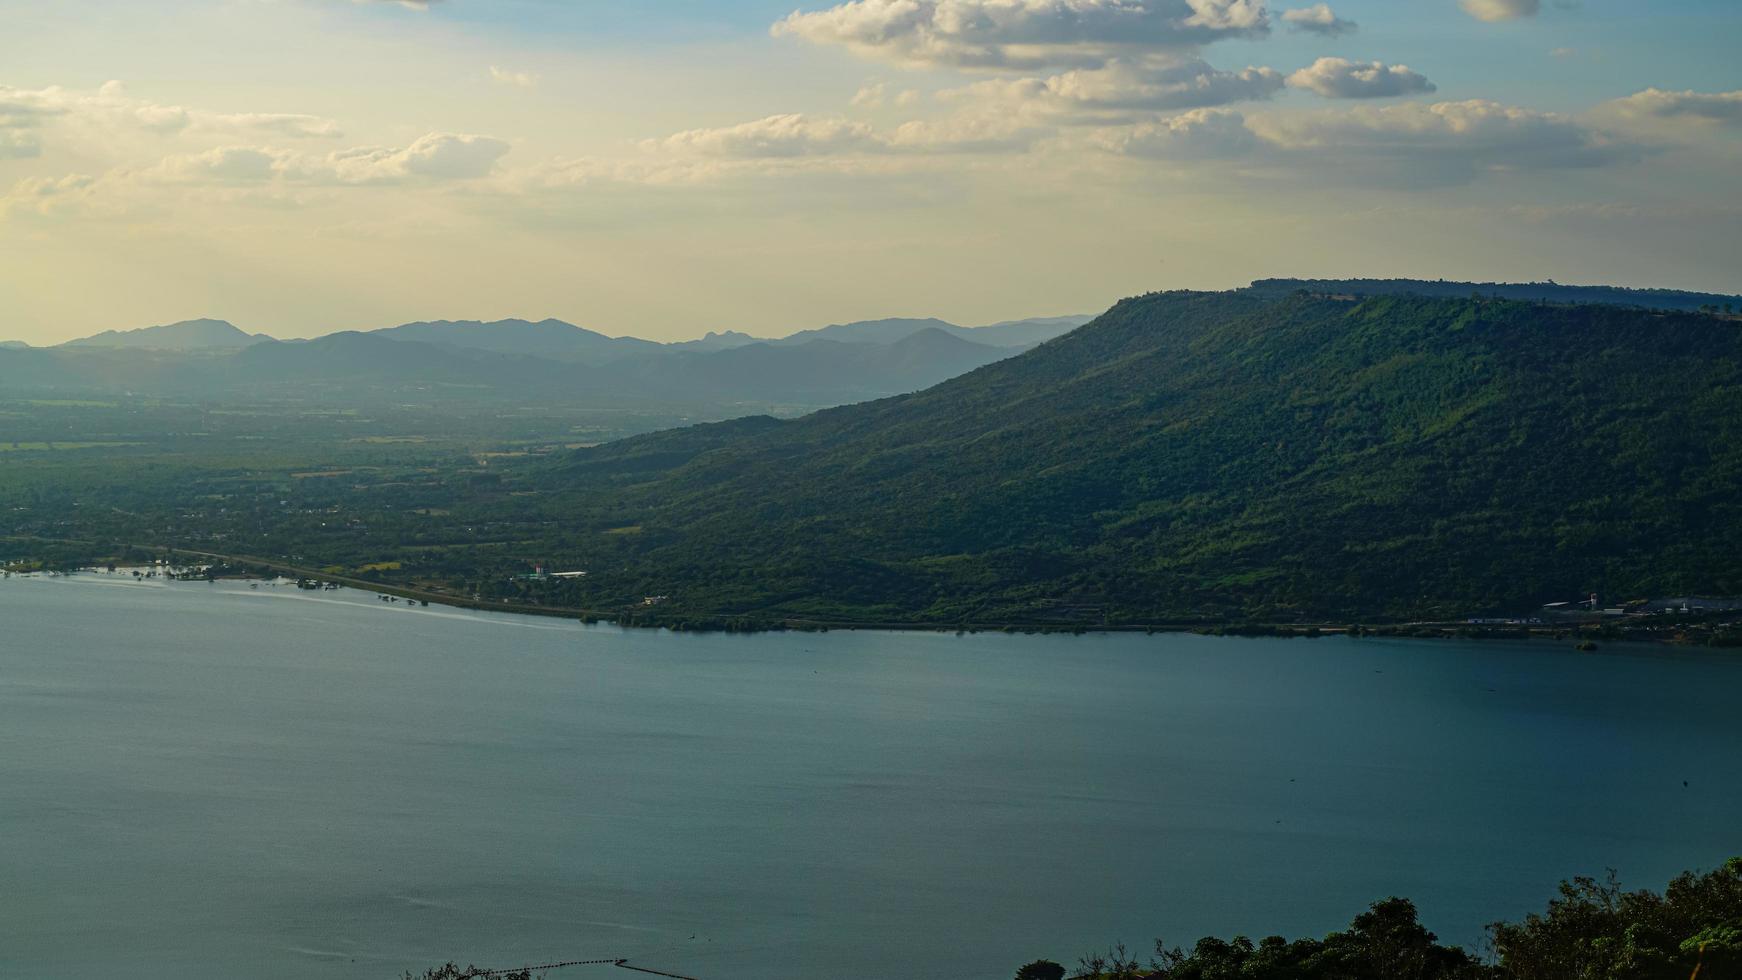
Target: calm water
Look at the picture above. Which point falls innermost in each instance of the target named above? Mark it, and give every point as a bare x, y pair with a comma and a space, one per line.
211, 781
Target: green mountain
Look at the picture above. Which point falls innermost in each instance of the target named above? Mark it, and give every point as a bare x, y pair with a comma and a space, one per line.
1536, 292
1205, 456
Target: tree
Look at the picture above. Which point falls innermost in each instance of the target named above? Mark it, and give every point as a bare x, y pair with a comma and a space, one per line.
1041, 970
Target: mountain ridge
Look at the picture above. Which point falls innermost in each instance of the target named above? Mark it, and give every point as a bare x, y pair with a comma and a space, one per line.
1216, 456
184, 335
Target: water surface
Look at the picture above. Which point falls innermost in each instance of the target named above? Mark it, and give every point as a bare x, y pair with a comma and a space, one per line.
216, 781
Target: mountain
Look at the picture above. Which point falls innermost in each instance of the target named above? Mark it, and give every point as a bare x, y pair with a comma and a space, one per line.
1211, 456
517, 361
353, 357
886, 331
1010, 333
187, 335
1034, 330
14, 345
717, 341
544, 338
1538, 292
816, 372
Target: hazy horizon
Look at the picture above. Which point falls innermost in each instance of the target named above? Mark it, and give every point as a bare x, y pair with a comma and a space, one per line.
317, 333
770, 335
661, 171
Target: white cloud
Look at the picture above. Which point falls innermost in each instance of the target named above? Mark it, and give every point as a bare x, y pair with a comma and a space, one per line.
1119, 90
435, 156
518, 79
109, 111
1722, 107
795, 136
1021, 33
45, 195
1413, 145
1443, 142
275, 123
1202, 134
789, 135
240, 170
870, 96
226, 164
18, 136
1493, 10
1318, 19
1339, 78
971, 132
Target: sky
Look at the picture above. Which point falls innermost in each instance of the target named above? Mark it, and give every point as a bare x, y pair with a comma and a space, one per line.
664, 168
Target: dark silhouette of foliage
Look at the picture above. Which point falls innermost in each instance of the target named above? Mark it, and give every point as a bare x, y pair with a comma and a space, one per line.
1041, 970
1594, 930
452, 971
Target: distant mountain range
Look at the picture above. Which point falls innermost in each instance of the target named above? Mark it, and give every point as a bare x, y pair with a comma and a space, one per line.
187, 335
544, 338
522, 359
1273, 454
1010, 333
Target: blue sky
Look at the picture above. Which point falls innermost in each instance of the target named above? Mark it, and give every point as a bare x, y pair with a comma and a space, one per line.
669, 167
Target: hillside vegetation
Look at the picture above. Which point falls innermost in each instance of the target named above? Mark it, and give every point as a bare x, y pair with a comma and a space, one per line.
1207, 456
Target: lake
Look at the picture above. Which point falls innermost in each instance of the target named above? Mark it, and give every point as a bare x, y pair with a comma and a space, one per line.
216, 781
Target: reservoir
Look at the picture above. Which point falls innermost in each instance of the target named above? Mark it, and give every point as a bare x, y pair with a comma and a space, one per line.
218, 781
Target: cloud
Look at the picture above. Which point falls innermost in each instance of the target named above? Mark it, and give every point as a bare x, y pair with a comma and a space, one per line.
519, 79
789, 135
1119, 90
1021, 34
18, 136
16, 145
435, 156
1202, 134
277, 123
870, 96
1443, 142
875, 95
1711, 107
1339, 78
971, 132
44, 195
109, 110
227, 164
1493, 10
794, 137
1318, 19
1414, 145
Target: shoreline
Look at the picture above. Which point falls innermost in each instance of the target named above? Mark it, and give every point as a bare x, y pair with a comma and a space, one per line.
253, 567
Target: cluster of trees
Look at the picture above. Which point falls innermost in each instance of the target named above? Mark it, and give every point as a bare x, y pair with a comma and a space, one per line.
1594, 930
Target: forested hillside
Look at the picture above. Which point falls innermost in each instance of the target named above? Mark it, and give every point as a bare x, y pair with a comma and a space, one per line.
1200, 456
